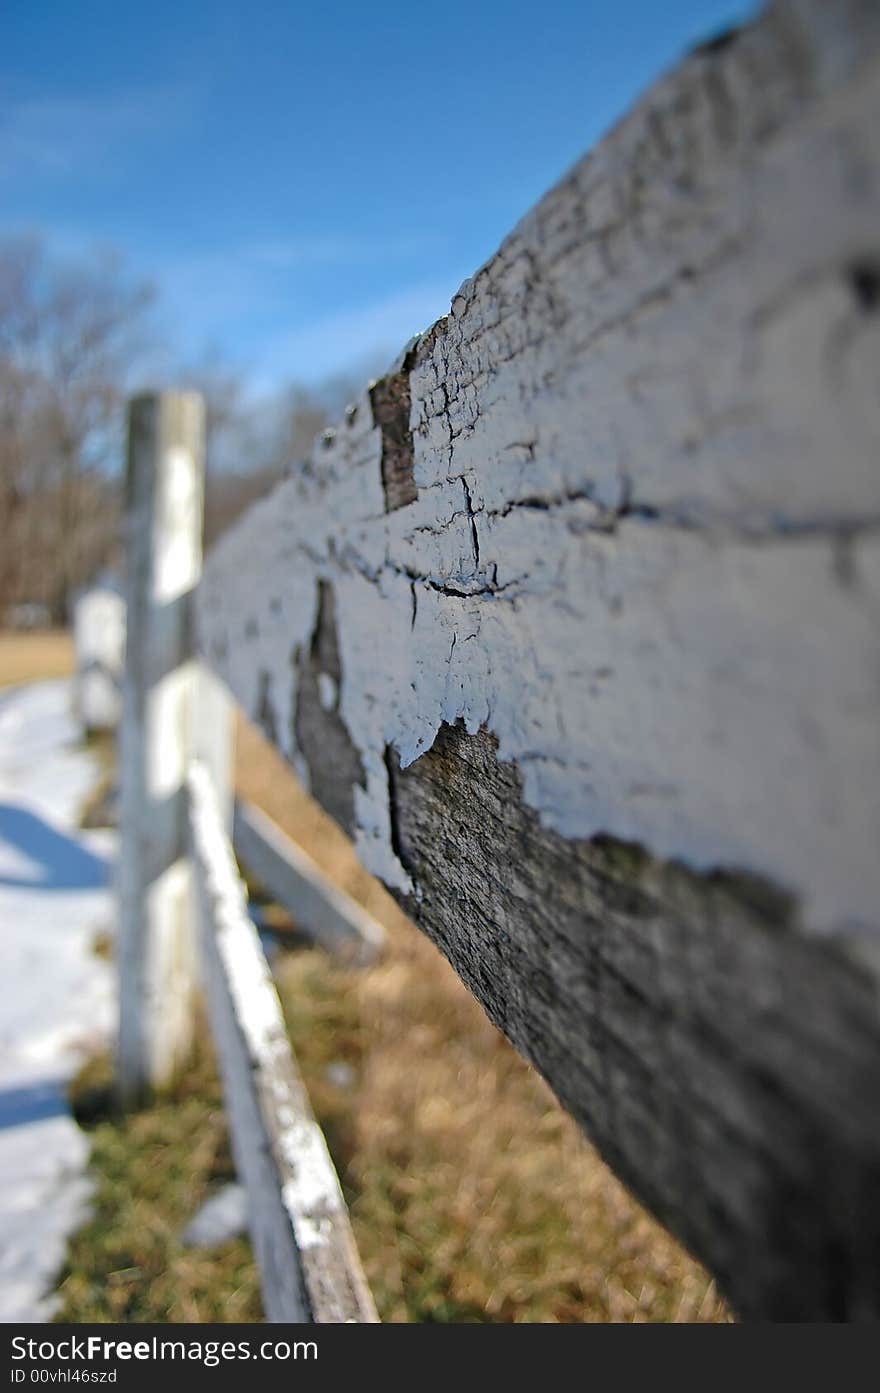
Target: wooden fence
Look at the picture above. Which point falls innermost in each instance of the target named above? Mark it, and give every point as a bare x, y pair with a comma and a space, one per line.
573, 625
183, 907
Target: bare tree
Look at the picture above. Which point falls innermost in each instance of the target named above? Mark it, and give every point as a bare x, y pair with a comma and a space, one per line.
71, 333
254, 444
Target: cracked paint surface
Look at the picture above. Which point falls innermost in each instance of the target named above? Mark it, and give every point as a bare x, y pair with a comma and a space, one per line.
641, 540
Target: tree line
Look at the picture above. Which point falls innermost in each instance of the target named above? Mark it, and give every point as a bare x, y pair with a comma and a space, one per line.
76, 337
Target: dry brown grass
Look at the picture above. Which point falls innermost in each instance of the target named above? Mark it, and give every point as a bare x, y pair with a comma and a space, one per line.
32, 657
473, 1195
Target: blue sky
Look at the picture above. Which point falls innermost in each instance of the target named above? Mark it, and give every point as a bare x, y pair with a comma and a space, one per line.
309, 183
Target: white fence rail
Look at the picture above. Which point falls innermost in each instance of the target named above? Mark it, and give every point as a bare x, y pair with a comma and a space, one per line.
321, 910
298, 1219
572, 624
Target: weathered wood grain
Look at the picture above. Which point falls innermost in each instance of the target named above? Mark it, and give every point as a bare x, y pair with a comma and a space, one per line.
726, 1066
320, 909
309, 1266
603, 679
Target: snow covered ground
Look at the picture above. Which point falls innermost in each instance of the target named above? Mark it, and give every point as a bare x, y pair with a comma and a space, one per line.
56, 1002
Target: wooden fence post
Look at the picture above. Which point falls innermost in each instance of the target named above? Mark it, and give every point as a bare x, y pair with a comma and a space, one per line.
165, 491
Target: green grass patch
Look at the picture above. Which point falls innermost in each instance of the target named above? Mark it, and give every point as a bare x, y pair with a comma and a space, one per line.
152, 1170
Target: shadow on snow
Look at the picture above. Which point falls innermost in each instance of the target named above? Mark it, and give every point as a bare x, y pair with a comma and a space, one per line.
64, 864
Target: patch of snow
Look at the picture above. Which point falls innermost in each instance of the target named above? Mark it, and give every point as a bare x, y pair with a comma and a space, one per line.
221, 1217
58, 999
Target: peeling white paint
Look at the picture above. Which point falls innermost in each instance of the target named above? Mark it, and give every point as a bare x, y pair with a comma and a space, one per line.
647, 538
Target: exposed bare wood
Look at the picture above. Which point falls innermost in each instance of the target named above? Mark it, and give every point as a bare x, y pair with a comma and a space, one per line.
726, 1065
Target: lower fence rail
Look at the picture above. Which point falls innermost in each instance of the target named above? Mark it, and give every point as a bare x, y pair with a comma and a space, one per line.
321, 910
310, 1269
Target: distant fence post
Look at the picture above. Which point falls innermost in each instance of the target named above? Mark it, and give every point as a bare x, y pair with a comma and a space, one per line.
99, 638
164, 501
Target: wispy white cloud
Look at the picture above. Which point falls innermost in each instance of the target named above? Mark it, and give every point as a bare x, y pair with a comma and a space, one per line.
216, 293
338, 342
245, 296
69, 137
247, 278
246, 302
